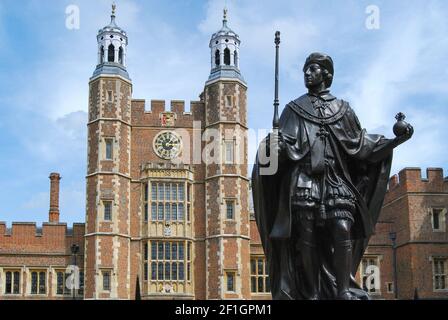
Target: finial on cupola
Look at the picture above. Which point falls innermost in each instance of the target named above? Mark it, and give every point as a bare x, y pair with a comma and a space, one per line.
224, 20
112, 17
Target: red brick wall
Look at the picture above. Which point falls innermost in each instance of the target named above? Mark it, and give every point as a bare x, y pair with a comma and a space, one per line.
47, 249
406, 211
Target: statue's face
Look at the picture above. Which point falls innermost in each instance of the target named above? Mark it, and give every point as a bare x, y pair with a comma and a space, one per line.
313, 75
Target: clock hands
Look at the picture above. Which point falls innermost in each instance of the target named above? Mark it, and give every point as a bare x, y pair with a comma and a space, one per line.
167, 145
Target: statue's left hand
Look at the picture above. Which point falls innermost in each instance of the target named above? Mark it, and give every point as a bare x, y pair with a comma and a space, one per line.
406, 136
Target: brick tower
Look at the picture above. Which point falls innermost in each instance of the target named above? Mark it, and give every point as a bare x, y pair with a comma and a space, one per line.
107, 239
226, 184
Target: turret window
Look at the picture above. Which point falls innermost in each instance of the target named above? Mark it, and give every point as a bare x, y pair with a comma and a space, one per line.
227, 56
230, 209
217, 58
229, 151
102, 55
106, 280
230, 281
110, 96
107, 210
229, 101
109, 149
111, 53
120, 55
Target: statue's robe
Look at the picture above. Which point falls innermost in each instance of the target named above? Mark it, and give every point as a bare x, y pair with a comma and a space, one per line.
364, 161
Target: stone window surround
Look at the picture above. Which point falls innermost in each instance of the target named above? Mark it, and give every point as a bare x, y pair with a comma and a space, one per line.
29, 272
188, 257
229, 101
103, 152
102, 272
264, 275
227, 142
233, 200
157, 286
147, 200
25, 273
3, 280
442, 218
110, 96
103, 216
109, 143
431, 259
232, 272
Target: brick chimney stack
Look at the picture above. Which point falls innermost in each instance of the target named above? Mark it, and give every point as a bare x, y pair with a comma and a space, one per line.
54, 198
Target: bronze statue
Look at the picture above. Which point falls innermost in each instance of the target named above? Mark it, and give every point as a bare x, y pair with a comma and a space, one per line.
316, 214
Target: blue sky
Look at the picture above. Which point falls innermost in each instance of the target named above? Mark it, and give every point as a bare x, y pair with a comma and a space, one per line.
45, 67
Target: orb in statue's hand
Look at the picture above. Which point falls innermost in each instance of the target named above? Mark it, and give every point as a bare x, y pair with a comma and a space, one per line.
400, 126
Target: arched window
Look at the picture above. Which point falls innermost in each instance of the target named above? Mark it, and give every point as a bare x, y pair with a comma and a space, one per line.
217, 58
111, 53
235, 59
120, 55
102, 55
227, 56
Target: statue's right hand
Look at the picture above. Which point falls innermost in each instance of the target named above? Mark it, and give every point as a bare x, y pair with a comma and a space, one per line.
276, 142
405, 136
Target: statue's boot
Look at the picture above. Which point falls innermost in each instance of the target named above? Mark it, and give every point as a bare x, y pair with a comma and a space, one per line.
343, 263
310, 268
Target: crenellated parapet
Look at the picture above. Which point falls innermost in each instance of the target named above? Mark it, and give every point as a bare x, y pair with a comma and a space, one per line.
27, 238
410, 180
158, 115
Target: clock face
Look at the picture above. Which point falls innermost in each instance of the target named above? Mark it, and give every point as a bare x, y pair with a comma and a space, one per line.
167, 145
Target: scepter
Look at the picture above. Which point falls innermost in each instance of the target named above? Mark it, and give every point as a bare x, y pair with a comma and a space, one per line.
275, 120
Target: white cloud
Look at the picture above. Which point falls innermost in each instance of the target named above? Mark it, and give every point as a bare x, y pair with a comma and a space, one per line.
62, 141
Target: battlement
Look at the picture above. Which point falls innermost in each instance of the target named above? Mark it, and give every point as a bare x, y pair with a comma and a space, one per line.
47, 229
51, 237
411, 180
141, 116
